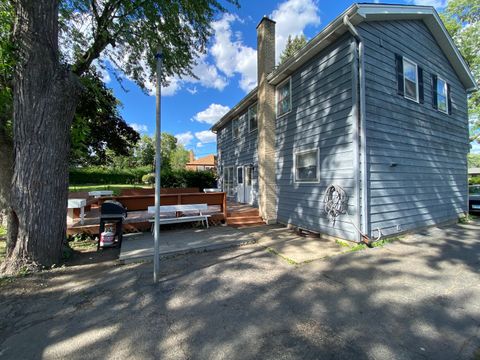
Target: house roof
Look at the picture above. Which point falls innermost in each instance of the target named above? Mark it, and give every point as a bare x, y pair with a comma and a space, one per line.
208, 160
357, 14
474, 171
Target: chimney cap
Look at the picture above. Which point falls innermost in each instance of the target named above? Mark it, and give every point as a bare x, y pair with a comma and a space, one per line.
265, 18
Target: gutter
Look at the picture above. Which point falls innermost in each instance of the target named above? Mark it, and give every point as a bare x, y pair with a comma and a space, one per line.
361, 135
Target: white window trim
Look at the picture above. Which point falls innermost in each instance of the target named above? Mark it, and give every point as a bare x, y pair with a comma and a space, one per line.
297, 152
289, 79
248, 118
417, 100
446, 95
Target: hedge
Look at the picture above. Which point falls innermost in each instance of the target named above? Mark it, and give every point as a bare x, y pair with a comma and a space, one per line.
100, 175
174, 179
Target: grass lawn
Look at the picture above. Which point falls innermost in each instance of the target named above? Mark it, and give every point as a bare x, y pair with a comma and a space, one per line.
116, 188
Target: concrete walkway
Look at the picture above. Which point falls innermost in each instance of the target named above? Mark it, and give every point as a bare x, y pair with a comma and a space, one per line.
276, 238
139, 247
417, 298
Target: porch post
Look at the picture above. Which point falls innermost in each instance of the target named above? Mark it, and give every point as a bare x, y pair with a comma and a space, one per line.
158, 164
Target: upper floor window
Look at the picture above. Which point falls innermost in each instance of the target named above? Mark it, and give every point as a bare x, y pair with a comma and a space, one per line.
284, 97
252, 117
409, 79
441, 95
306, 164
236, 128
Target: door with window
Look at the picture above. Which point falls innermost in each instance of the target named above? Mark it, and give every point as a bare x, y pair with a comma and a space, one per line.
240, 185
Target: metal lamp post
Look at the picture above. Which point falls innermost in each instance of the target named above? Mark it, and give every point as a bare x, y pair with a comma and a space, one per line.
158, 164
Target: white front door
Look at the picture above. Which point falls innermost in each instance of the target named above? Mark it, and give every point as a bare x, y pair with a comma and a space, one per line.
240, 185
248, 185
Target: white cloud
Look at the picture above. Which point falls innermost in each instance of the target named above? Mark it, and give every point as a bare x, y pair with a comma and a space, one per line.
232, 56
211, 114
292, 17
199, 145
139, 127
434, 3
185, 138
193, 90
206, 136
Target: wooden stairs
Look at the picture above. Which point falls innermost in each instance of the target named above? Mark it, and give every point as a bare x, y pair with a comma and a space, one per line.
241, 216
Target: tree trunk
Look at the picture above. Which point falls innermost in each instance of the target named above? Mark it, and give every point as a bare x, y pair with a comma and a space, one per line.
6, 170
45, 97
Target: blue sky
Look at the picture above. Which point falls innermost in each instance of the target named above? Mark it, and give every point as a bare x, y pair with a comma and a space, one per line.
228, 71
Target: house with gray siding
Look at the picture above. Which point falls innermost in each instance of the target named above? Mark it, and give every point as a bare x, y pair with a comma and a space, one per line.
375, 104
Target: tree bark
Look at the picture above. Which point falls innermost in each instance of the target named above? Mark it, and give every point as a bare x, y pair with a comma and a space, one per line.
45, 98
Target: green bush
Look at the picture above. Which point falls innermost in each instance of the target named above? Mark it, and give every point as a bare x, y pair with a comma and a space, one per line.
474, 180
169, 178
148, 179
101, 175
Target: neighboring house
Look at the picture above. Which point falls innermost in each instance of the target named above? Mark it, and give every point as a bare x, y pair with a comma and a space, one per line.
472, 172
208, 162
375, 103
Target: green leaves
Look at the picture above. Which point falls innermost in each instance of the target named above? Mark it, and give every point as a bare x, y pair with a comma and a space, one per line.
462, 20
128, 34
293, 45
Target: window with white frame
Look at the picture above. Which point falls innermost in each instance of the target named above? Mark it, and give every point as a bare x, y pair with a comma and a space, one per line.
228, 180
442, 95
306, 166
236, 128
252, 118
284, 97
410, 79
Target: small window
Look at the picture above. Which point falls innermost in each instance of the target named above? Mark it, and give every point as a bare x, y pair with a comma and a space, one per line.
252, 118
442, 95
284, 97
410, 79
235, 128
306, 165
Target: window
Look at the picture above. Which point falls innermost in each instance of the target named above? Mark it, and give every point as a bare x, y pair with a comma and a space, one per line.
284, 97
306, 164
235, 128
410, 79
228, 180
442, 95
240, 175
252, 118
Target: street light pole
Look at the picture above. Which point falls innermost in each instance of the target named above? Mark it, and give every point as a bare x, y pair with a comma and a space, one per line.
158, 164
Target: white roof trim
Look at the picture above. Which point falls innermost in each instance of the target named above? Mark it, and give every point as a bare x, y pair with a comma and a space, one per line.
372, 12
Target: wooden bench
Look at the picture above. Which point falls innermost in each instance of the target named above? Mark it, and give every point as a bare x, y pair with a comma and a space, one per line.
178, 210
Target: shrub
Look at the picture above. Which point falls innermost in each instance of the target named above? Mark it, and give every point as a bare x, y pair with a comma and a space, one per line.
169, 178
148, 179
474, 180
101, 175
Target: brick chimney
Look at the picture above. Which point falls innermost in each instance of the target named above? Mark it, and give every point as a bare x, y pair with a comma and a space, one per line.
266, 121
191, 157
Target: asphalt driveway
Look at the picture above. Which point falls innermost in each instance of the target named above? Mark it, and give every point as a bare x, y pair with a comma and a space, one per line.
416, 298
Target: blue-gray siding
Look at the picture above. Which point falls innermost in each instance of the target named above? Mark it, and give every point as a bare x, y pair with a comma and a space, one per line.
429, 183
238, 152
321, 118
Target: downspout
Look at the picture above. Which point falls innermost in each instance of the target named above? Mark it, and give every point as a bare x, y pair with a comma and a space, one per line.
363, 181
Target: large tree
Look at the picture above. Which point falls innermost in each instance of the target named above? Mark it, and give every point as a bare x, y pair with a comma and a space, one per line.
293, 45
462, 20
98, 131
47, 88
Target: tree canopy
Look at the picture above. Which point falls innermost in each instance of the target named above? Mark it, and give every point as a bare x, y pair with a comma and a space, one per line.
462, 20
293, 45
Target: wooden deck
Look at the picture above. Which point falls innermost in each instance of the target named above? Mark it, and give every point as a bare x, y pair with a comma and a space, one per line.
238, 215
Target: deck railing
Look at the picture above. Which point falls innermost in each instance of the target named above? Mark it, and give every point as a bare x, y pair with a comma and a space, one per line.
142, 202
